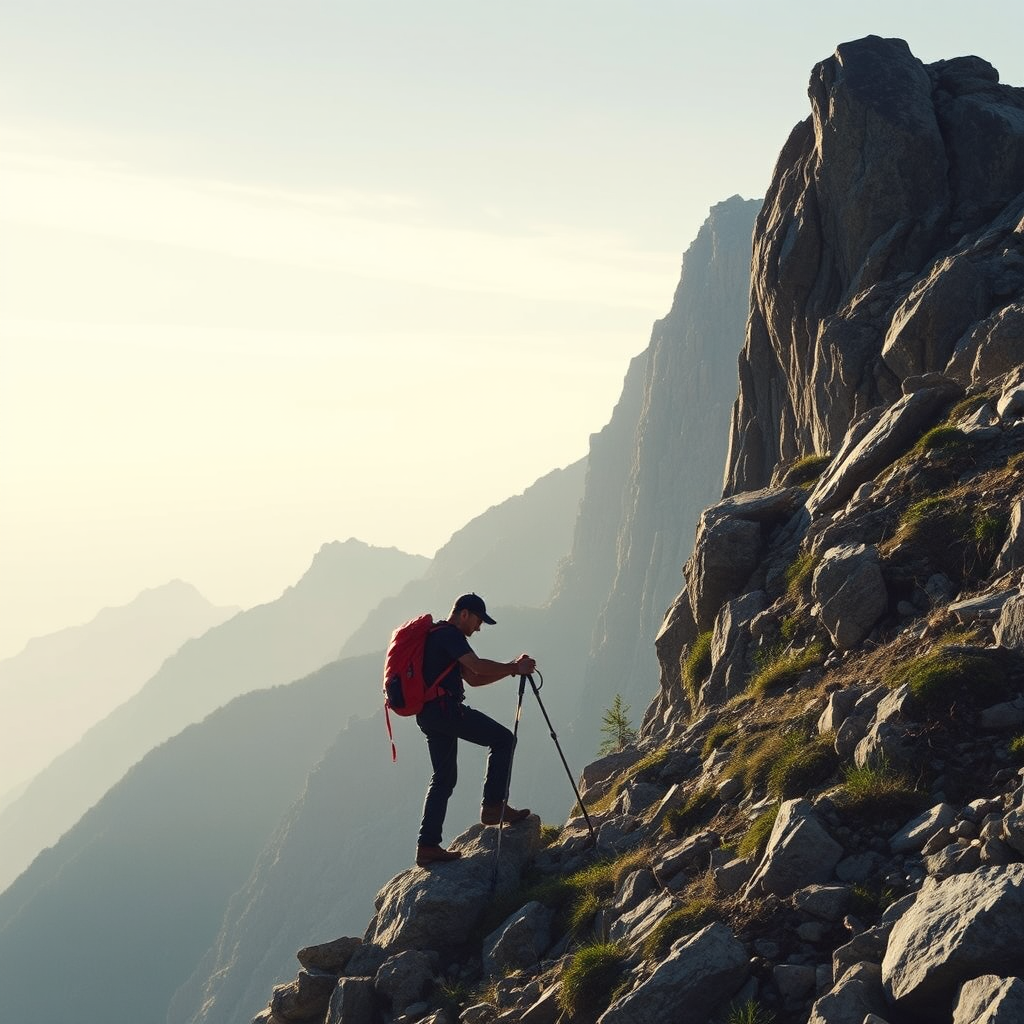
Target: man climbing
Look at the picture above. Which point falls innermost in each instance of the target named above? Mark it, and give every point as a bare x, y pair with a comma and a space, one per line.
449, 719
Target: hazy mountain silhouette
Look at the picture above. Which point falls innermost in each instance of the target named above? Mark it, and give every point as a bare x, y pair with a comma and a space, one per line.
270, 644
131, 896
62, 683
509, 554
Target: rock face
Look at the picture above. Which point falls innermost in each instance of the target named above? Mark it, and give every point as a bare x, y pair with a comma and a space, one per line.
888, 246
648, 477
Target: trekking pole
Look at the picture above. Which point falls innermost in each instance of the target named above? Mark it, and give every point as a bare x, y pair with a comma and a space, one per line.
551, 729
508, 783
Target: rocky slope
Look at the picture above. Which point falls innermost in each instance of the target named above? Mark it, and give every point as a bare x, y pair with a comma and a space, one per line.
822, 820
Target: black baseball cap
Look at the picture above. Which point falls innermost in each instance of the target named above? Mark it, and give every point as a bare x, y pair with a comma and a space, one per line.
475, 604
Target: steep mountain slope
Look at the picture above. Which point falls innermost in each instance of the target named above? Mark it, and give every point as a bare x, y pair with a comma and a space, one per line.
660, 463
273, 643
61, 684
823, 818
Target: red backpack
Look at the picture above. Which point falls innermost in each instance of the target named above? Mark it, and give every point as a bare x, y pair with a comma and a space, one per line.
405, 689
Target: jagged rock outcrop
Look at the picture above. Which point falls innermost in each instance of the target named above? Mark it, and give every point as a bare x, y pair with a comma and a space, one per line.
888, 246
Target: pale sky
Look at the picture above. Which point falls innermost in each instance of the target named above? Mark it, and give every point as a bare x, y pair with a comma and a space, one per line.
274, 274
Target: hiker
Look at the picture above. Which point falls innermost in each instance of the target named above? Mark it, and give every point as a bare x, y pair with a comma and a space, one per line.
448, 719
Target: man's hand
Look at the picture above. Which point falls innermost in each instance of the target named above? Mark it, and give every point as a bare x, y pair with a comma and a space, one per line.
525, 665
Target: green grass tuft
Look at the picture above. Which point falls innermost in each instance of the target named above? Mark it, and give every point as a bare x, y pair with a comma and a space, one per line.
943, 438
590, 977
777, 667
938, 678
718, 736
696, 666
750, 1012
755, 840
799, 573
807, 470
1017, 747
877, 788
690, 917
803, 761
678, 821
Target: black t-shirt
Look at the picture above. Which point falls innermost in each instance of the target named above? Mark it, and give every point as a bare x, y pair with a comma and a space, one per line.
445, 643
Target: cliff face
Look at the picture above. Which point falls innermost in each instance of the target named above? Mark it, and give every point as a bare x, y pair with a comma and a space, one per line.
822, 820
885, 248
656, 466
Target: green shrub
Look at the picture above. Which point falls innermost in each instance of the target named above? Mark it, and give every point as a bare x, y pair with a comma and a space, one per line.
1017, 747
877, 787
777, 667
549, 834
936, 679
789, 627
755, 840
590, 977
750, 1012
696, 666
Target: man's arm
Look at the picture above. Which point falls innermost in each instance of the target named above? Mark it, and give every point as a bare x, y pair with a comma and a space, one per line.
481, 671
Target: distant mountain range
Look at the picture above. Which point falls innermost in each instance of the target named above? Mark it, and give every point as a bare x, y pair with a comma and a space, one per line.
61, 684
263, 646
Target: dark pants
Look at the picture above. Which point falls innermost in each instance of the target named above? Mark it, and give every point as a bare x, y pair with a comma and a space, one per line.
444, 723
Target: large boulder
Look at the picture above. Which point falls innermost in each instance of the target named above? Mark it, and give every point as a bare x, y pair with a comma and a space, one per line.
957, 929
990, 1000
700, 972
1009, 630
439, 908
850, 593
857, 993
800, 852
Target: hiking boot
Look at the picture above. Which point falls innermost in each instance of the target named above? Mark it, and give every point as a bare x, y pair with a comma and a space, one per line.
490, 814
428, 855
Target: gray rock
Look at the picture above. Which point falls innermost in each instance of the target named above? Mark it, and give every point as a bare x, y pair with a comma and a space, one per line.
731, 876
1009, 630
688, 855
729, 646
857, 994
329, 956
438, 909
727, 547
884, 741
352, 1002
838, 707
867, 947
896, 429
545, 1010
850, 734
637, 886
636, 924
700, 972
799, 851
984, 608
850, 593
1013, 829
912, 837
307, 996
857, 868
990, 1000
1011, 555
1001, 717
404, 977
478, 1013
825, 902
955, 859
794, 981
518, 942
956, 930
